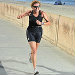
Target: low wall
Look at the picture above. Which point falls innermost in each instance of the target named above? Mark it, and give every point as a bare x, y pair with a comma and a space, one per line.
61, 32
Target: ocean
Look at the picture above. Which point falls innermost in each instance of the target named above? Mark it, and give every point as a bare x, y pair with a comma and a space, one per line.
67, 2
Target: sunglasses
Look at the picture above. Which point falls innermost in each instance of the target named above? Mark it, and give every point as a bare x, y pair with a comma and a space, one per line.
36, 6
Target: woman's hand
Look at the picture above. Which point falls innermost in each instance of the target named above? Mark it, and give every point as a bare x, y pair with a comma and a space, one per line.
38, 22
18, 17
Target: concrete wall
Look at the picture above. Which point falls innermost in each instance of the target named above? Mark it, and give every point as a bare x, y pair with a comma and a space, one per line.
66, 34
61, 32
11, 11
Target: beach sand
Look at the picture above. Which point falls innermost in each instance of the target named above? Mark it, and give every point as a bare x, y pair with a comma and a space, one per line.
64, 10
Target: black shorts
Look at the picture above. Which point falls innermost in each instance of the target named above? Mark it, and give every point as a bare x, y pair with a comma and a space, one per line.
34, 34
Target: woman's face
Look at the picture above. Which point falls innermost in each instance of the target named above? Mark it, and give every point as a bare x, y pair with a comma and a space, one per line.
36, 7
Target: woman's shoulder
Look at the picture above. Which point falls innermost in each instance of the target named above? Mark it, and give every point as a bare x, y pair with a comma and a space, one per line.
28, 12
42, 12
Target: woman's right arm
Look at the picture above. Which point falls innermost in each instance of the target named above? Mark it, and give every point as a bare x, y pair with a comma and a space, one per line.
27, 13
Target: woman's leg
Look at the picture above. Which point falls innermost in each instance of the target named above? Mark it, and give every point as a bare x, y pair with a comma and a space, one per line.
37, 44
34, 47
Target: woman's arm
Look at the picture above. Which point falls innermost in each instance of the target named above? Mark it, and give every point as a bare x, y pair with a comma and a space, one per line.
44, 15
27, 13
46, 19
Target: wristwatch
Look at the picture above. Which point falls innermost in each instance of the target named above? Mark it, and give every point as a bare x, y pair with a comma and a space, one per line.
42, 23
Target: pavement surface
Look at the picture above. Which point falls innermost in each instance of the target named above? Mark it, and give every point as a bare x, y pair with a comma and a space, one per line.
14, 54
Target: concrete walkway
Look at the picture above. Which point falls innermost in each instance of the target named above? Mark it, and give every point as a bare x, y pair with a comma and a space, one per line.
14, 54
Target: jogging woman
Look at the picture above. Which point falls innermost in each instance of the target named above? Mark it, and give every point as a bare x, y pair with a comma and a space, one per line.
34, 30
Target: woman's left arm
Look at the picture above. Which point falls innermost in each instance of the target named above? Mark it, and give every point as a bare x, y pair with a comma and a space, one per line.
46, 19
44, 15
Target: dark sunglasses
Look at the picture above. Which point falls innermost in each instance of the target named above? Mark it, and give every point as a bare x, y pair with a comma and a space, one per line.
36, 6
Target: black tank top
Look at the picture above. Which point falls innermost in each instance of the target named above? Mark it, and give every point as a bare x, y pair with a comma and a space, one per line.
32, 19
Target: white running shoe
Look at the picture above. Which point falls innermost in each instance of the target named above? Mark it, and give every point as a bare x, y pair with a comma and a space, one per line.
36, 72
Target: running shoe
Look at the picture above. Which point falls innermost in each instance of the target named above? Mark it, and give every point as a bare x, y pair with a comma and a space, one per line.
36, 72
30, 60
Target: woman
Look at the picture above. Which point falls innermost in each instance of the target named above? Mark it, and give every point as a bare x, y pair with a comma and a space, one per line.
34, 30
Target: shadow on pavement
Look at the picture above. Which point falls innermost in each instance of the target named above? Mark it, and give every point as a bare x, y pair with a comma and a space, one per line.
60, 72
26, 73
2, 70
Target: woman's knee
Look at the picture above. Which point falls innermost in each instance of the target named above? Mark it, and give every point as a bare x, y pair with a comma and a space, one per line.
34, 50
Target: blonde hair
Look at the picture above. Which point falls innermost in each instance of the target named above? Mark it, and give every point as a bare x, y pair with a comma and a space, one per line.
34, 2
